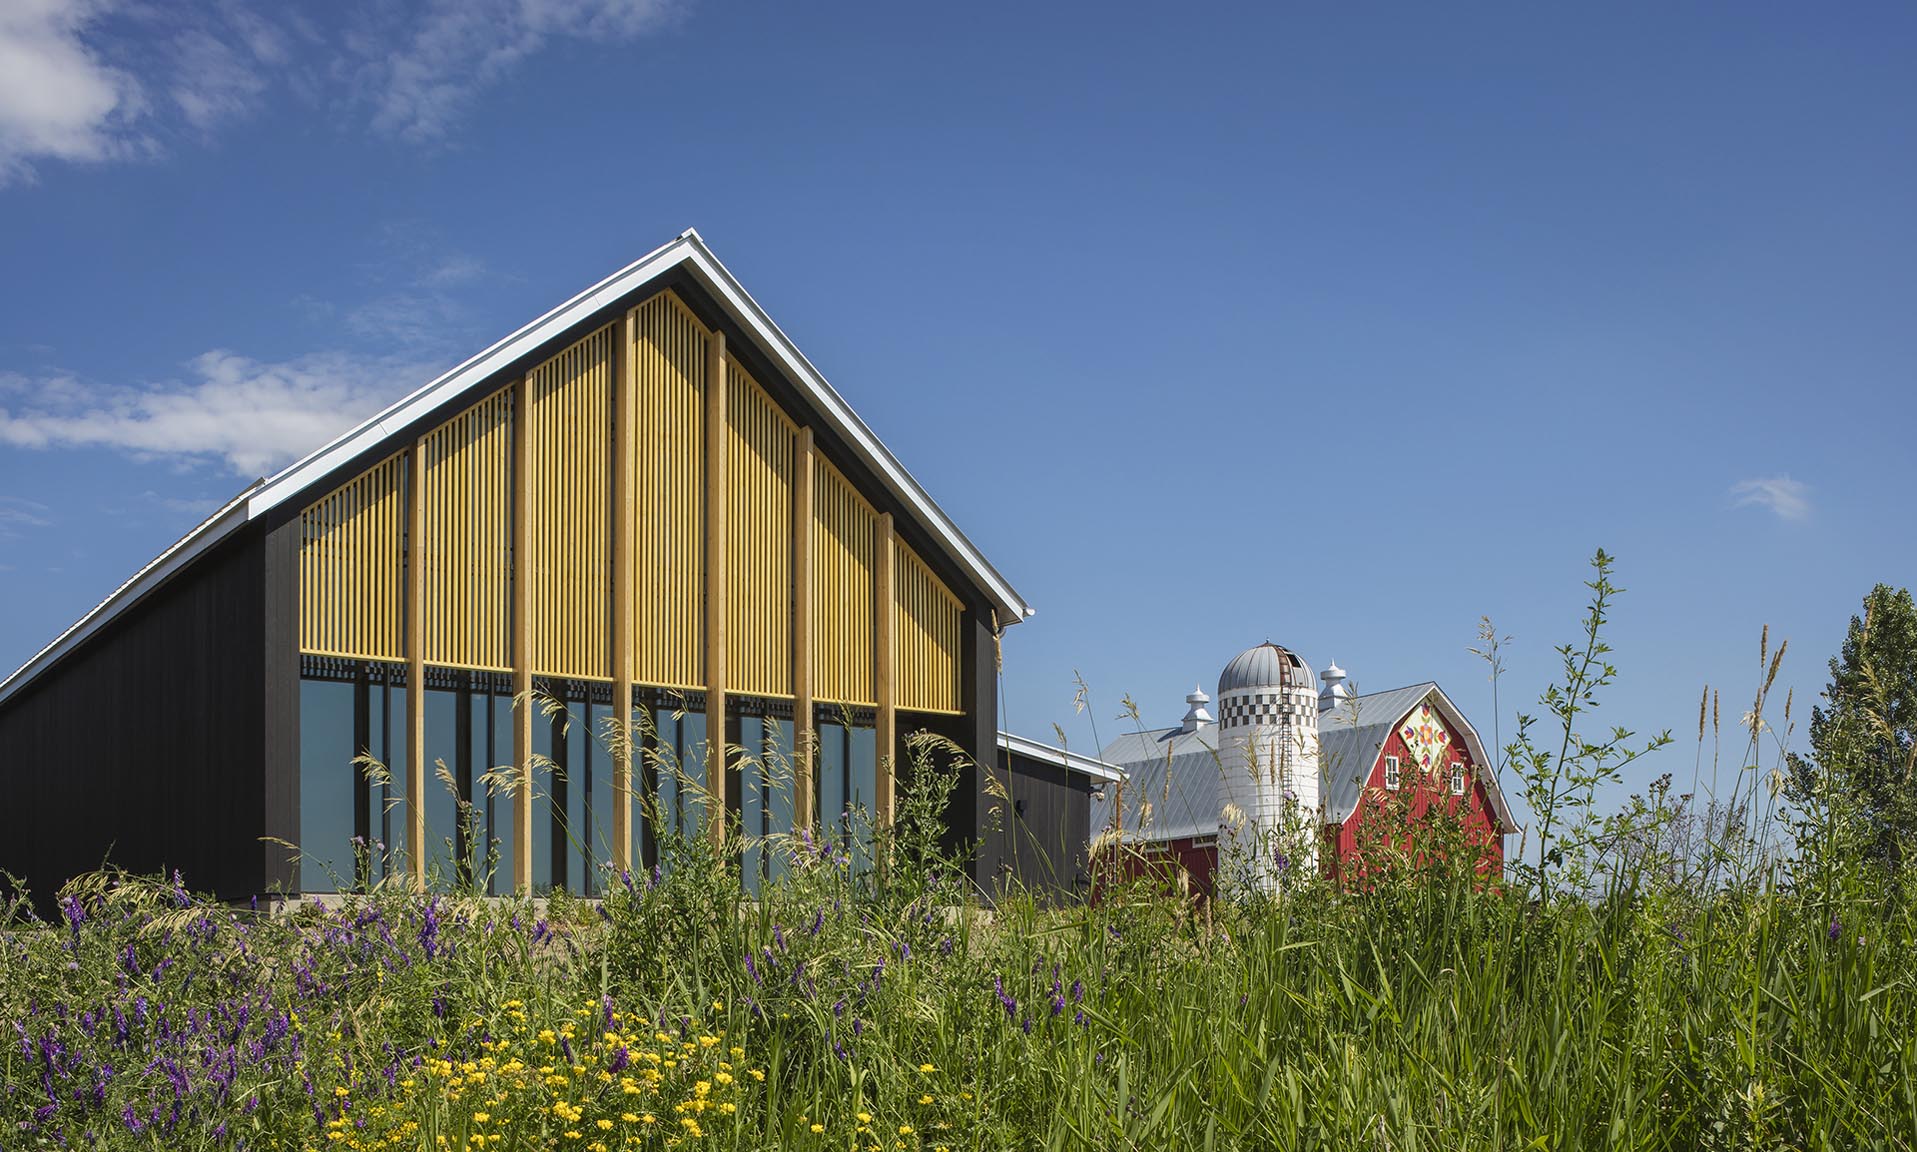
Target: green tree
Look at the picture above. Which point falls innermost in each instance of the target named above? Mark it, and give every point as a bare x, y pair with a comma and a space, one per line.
1859, 774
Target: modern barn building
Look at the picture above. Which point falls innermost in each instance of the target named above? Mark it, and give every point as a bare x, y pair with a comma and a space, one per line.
645, 503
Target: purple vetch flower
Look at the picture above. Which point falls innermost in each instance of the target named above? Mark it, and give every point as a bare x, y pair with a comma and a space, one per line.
1058, 1003
838, 1009
945, 946
565, 1047
76, 912
1026, 1025
603, 914
838, 1050
1078, 1018
657, 876
1836, 929
752, 969
858, 1026
131, 1119
818, 922
621, 1060
605, 1013
1007, 1002
1078, 991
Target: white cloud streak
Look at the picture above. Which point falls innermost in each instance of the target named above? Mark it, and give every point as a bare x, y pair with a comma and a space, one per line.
102, 80
1788, 498
251, 416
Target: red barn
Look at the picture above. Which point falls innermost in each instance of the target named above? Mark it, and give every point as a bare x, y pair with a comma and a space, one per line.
1284, 754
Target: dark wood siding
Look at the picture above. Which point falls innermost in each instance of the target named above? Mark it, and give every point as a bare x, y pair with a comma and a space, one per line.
141, 748
1047, 828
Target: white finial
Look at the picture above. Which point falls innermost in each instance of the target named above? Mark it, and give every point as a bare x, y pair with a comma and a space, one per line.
1335, 692
1195, 716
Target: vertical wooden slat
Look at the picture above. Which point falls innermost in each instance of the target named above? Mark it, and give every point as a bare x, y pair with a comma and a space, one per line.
621, 529
522, 641
416, 663
884, 683
715, 557
669, 379
804, 738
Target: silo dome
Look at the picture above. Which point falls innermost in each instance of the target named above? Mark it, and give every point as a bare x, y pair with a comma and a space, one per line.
1264, 667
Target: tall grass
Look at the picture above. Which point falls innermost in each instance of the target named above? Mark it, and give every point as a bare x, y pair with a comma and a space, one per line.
1684, 973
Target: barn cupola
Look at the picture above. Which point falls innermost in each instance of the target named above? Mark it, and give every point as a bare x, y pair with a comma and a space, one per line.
1196, 718
1335, 692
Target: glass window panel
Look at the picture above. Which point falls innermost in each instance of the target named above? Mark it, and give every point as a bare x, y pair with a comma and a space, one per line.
864, 756
442, 806
327, 780
833, 774
548, 777
601, 795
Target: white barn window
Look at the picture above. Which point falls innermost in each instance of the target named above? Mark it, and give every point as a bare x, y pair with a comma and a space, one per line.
1457, 778
1391, 773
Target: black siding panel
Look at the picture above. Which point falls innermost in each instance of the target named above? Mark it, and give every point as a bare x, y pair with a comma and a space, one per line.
1048, 827
141, 747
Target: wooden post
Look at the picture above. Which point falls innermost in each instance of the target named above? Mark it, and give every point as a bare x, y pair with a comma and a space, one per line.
716, 586
623, 440
522, 640
416, 665
885, 675
804, 740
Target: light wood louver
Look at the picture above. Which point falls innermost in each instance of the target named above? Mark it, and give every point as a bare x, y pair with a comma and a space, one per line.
759, 540
569, 506
668, 613
926, 638
352, 565
844, 540
467, 538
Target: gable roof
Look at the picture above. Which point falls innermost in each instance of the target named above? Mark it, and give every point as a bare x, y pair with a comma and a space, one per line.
1351, 735
687, 252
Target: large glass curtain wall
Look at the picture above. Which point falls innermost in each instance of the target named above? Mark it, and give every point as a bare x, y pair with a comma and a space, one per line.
353, 776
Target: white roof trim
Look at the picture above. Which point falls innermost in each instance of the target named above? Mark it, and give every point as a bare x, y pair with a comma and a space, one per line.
209, 532
690, 250
1047, 753
1473, 745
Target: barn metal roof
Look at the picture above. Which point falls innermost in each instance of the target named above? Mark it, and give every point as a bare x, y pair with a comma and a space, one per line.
689, 252
1351, 735
1174, 786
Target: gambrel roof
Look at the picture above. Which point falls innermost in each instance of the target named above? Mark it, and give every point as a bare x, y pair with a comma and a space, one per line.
686, 255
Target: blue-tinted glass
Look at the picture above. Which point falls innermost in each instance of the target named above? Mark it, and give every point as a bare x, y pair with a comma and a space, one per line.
753, 812
864, 756
579, 781
601, 796
833, 777
394, 755
327, 779
442, 805
778, 791
546, 777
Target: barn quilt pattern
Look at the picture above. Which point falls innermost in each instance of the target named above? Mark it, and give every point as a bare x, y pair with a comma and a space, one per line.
1425, 738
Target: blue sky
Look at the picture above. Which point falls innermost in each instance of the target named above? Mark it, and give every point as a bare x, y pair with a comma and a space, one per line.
1339, 328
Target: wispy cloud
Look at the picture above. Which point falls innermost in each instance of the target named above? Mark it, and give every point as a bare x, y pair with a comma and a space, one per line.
461, 47
1789, 498
100, 80
17, 512
248, 415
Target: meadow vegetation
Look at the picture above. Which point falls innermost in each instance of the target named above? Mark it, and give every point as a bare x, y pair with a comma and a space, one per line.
1692, 967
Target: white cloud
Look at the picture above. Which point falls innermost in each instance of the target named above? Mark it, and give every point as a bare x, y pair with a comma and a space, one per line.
250, 415
1789, 498
75, 75
58, 98
461, 47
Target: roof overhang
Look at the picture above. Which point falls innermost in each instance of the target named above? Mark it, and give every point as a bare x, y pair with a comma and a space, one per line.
688, 252
1051, 754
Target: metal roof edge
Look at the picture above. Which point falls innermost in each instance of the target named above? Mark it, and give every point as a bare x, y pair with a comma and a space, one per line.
156, 572
846, 422
687, 248
1036, 750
